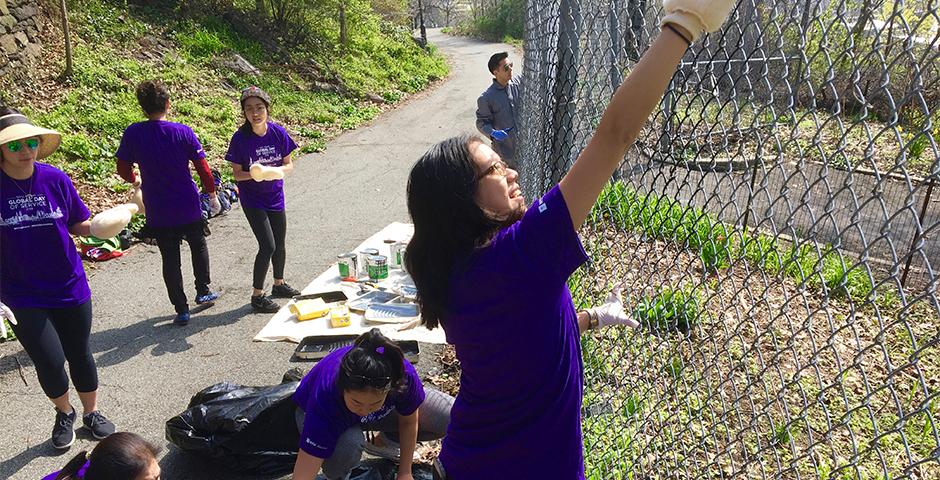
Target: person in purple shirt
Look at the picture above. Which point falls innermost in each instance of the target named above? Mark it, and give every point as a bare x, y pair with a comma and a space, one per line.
266, 144
365, 387
493, 273
163, 150
43, 288
122, 456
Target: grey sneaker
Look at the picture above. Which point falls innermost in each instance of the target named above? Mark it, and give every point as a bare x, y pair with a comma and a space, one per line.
63, 433
98, 424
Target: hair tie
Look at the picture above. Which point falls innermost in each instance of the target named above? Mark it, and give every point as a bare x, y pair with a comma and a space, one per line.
380, 350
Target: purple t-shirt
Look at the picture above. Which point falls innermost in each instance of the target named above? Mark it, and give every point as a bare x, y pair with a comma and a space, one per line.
518, 412
39, 265
325, 414
164, 151
80, 474
248, 148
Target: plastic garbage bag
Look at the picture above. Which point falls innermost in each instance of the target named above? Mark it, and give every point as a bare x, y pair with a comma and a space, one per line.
248, 429
382, 469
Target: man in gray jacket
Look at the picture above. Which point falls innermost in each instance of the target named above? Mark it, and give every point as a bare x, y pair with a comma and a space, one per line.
499, 108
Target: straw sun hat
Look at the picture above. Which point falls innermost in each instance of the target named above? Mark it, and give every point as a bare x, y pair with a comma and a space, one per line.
16, 126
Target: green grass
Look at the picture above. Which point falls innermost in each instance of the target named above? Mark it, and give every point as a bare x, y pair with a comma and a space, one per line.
110, 61
669, 311
719, 245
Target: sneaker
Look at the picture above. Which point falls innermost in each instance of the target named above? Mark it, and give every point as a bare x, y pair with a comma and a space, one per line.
263, 304
98, 424
182, 319
63, 433
389, 448
283, 291
208, 297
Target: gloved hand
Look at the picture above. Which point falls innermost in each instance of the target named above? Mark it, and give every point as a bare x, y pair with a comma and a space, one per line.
261, 173
111, 221
136, 197
215, 207
499, 135
697, 16
612, 312
6, 313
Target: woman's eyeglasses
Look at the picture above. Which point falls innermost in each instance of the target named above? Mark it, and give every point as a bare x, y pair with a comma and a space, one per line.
17, 145
377, 383
499, 167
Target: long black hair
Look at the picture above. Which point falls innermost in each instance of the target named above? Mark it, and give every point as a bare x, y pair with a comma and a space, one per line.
374, 362
121, 456
449, 224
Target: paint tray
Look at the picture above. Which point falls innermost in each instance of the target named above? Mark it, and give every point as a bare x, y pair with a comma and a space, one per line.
315, 348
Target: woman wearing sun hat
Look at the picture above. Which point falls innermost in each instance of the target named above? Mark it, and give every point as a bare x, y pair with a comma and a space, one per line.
260, 156
43, 288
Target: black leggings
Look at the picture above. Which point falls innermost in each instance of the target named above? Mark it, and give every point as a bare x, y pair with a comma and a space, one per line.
270, 228
169, 239
51, 336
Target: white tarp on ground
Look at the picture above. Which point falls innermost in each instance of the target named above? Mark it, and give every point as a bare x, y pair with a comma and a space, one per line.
284, 326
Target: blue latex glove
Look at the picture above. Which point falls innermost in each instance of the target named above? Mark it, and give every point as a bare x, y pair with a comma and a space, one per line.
499, 135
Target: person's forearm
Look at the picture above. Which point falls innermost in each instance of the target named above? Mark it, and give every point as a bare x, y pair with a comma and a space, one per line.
288, 165
239, 174
628, 111
126, 171
408, 438
205, 175
584, 321
81, 229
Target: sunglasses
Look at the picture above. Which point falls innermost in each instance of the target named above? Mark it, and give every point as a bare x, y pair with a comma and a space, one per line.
17, 145
507, 66
378, 383
499, 167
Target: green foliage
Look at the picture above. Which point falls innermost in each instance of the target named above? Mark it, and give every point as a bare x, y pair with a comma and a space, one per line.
10, 335
112, 56
669, 311
718, 245
504, 21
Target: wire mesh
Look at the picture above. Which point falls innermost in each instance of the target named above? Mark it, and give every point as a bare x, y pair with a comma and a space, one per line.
775, 228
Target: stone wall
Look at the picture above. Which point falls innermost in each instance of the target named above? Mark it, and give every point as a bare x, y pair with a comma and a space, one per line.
20, 44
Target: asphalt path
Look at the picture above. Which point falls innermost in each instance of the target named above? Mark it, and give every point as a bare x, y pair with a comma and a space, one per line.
149, 368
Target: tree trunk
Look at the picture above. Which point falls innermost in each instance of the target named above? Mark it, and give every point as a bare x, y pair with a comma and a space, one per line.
68, 41
424, 32
342, 24
259, 6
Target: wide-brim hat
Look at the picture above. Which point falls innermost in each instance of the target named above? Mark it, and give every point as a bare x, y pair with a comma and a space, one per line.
16, 126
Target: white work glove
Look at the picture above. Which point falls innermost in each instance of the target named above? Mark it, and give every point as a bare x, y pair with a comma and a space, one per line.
215, 207
6, 313
111, 221
136, 197
697, 16
261, 173
612, 312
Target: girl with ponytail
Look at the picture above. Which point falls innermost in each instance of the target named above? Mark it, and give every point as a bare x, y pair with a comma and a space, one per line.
368, 386
121, 456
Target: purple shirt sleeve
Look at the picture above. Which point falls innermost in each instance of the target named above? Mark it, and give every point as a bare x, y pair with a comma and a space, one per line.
319, 435
78, 212
198, 153
546, 239
235, 153
289, 145
124, 149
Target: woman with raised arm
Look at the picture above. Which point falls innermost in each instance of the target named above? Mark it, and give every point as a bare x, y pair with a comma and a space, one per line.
493, 273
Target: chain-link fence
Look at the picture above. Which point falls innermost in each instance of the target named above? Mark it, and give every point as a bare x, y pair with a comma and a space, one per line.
776, 229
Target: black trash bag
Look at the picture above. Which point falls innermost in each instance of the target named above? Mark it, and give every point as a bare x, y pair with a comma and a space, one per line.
248, 429
382, 469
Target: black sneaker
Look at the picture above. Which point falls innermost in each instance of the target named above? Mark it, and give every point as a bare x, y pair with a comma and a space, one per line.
263, 304
283, 291
99, 426
63, 433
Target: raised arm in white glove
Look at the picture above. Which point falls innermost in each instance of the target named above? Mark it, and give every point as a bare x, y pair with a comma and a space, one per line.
697, 16
111, 221
261, 173
611, 312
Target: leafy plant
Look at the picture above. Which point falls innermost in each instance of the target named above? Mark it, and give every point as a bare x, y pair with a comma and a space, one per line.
670, 311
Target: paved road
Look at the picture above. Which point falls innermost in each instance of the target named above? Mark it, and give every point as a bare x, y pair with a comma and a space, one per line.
149, 368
